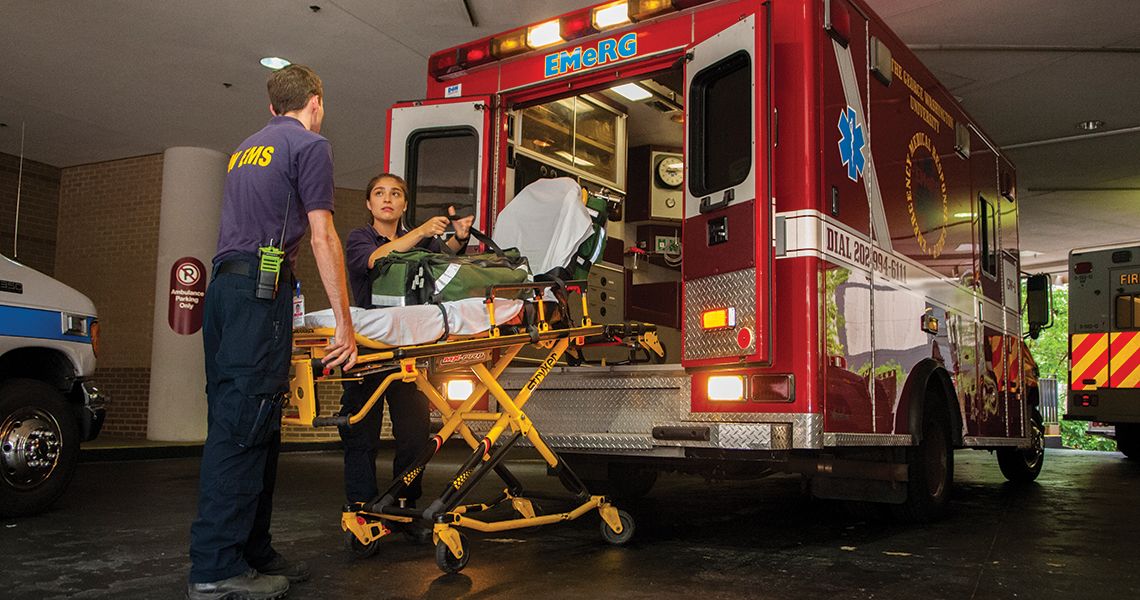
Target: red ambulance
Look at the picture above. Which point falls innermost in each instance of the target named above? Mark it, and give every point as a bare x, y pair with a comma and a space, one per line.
827, 241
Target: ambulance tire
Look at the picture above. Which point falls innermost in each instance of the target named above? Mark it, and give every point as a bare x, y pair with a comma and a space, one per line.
1128, 439
39, 446
629, 481
930, 468
1023, 465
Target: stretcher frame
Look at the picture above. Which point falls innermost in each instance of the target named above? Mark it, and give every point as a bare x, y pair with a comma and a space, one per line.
364, 525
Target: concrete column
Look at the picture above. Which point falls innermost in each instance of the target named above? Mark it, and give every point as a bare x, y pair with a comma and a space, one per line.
192, 181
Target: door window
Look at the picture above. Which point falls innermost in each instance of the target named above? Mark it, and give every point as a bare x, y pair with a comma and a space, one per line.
721, 125
987, 224
442, 172
1127, 312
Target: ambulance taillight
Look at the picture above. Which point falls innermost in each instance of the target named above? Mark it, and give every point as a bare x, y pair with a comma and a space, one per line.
454, 60
1082, 268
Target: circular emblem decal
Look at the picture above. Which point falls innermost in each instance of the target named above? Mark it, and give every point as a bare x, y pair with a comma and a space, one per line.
926, 200
188, 273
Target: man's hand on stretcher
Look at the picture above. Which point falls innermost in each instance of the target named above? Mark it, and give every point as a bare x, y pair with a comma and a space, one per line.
342, 352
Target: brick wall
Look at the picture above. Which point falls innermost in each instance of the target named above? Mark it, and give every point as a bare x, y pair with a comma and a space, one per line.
39, 211
107, 249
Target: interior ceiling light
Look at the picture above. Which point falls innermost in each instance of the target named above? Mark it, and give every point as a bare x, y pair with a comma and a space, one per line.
274, 62
631, 91
611, 15
963, 215
543, 34
1091, 124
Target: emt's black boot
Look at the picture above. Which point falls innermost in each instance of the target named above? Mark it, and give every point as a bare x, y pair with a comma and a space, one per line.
295, 572
250, 585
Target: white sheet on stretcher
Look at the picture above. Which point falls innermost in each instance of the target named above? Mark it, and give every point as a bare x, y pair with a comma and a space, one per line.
546, 221
420, 324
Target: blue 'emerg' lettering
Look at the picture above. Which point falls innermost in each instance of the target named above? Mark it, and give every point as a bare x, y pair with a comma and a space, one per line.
589, 57
608, 50
627, 45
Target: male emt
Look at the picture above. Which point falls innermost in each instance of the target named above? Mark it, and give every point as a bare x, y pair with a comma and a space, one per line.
279, 184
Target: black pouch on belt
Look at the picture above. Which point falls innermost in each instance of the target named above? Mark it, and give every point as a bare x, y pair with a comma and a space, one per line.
268, 409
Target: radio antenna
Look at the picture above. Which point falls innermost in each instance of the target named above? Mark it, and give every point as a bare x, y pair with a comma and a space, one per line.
19, 188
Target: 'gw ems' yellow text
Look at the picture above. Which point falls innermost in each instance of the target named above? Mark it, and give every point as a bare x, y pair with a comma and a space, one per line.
257, 155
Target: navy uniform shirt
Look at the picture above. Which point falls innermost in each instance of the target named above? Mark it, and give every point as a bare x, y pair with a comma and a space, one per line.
284, 162
361, 243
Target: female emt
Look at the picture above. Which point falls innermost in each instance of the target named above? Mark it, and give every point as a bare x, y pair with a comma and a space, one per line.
386, 199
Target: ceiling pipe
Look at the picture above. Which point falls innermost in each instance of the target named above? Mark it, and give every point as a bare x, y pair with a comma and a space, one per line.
1073, 138
470, 13
1023, 48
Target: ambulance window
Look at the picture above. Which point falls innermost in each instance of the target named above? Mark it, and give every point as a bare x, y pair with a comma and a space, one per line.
1127, 312
441, 172
987, 225
720, 125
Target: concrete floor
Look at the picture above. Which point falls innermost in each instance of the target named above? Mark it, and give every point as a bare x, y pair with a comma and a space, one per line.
122, 532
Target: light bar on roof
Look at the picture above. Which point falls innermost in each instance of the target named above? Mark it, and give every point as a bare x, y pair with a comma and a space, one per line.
611, 15
543, 34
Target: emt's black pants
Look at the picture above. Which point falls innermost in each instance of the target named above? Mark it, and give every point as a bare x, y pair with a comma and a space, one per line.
247, 343
411, 426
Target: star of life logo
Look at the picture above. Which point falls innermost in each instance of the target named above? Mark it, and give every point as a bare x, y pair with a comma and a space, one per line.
851, 143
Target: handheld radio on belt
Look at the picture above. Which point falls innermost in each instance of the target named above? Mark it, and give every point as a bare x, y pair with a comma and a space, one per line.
269, 259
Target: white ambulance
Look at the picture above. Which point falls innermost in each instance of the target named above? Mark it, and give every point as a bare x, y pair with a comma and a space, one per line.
48, 402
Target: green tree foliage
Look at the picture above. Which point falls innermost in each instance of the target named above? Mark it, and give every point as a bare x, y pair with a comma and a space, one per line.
1051, 352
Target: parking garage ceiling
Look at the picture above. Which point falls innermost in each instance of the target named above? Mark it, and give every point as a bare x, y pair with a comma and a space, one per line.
84, 82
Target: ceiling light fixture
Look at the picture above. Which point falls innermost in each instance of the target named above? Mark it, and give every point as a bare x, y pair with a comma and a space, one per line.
1090, 125
631, 91
274, 62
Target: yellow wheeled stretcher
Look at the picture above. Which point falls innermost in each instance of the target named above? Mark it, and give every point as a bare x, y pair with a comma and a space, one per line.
365, 525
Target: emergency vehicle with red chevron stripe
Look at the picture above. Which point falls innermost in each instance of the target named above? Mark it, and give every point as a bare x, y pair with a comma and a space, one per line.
1104, 340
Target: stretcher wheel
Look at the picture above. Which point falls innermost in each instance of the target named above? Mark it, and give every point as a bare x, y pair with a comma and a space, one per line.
446, 561
358, 549
627, 527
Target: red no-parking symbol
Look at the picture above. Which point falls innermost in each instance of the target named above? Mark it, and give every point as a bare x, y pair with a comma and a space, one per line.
188, 273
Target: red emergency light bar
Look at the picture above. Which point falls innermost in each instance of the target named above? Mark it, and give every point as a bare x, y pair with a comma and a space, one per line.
570, 26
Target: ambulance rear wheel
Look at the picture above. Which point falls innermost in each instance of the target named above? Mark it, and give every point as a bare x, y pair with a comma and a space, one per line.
39, 446
358, 549
1023, 465
630, 481
446, 561
1128, 439
930, 468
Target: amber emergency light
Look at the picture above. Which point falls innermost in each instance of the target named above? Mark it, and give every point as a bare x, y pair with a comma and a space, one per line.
718, 318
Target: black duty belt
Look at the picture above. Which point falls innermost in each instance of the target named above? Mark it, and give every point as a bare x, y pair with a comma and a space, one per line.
237, 267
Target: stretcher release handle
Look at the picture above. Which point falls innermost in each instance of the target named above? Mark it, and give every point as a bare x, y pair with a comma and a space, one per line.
333, 421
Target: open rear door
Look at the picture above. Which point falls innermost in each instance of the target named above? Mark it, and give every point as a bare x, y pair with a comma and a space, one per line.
726, 274
442, 148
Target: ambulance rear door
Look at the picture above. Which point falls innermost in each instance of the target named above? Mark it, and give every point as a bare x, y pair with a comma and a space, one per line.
442, 148
726, 274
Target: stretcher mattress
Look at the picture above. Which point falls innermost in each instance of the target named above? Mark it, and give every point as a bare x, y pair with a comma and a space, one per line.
421, 324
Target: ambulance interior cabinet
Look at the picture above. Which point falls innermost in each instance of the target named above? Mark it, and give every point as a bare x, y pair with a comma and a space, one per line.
655, 184
582, 134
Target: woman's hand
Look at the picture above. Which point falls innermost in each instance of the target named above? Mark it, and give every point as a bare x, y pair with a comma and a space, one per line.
433, 227
462, 226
